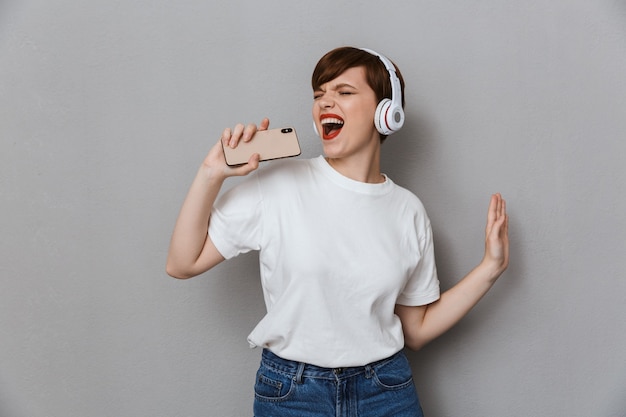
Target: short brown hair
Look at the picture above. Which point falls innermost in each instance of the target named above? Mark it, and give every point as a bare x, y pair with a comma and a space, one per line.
337, 61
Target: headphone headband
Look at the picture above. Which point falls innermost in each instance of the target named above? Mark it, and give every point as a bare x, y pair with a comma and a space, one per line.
396, 88
389, 113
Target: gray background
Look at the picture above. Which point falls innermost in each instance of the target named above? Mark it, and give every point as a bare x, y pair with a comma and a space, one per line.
108, 107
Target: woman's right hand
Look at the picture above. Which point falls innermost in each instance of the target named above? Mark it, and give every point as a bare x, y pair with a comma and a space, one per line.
191, 250
215, 163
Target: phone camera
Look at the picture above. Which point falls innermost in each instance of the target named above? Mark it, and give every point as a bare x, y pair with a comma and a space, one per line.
286, 130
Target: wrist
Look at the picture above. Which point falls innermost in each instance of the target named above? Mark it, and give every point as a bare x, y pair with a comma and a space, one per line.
209, 178
491, 269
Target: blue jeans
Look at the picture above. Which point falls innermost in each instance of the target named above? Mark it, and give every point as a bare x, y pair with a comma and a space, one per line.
286, 388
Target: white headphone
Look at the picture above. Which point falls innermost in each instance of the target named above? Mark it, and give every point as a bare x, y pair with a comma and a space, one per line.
389, 116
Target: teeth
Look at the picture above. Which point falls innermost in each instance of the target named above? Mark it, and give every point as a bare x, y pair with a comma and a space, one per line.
332, 120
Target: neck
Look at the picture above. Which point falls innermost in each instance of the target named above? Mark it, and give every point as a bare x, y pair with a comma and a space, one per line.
362, 168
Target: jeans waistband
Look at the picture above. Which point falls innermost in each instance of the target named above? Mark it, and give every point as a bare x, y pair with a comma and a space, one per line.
302, 369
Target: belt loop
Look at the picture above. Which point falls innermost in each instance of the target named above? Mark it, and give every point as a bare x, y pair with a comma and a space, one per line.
300, 372
368, 371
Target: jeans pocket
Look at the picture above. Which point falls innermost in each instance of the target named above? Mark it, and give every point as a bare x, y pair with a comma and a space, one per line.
393, 374
271, 385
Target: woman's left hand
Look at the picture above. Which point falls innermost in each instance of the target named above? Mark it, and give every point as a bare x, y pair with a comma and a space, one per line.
497, 236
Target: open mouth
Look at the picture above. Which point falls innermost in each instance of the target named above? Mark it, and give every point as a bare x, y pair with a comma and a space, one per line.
331, 125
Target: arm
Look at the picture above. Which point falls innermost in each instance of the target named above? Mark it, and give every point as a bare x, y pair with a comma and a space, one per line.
191, 251
422, 324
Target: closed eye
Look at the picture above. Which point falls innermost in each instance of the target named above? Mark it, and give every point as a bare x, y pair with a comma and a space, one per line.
318, 93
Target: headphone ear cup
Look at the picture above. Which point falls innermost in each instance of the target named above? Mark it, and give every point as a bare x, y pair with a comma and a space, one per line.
394, 117
388, 118
315, 128
380, 117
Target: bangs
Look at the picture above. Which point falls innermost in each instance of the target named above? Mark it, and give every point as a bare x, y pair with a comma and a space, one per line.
337, 61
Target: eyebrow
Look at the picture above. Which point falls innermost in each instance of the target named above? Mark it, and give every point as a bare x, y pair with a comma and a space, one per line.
338, 86
344, 85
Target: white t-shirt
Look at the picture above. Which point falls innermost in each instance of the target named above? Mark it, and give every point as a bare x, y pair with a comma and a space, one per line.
336, 255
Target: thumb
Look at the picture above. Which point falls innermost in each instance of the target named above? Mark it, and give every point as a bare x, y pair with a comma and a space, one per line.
251, 165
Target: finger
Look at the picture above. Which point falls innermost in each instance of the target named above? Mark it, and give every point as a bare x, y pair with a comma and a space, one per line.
500, 228
503, 238
505, 216
506, 237
498, 204
265, 124
226, 134
253, 163
492, 211
505, 222
501, 217
249, 132
236, 135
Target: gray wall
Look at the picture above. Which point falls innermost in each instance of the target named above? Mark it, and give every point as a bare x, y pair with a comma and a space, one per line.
108, 107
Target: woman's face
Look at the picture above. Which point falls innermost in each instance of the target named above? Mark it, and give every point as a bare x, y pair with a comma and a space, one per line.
343, 112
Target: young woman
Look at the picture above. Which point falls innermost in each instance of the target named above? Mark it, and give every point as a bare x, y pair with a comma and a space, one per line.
346, 256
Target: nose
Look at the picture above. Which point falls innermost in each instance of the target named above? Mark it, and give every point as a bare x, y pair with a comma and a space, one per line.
325, 102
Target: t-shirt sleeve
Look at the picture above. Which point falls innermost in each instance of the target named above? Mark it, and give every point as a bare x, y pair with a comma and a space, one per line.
235, 224
423, 285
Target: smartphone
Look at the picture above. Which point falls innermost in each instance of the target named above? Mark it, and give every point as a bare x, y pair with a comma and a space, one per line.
269, 144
